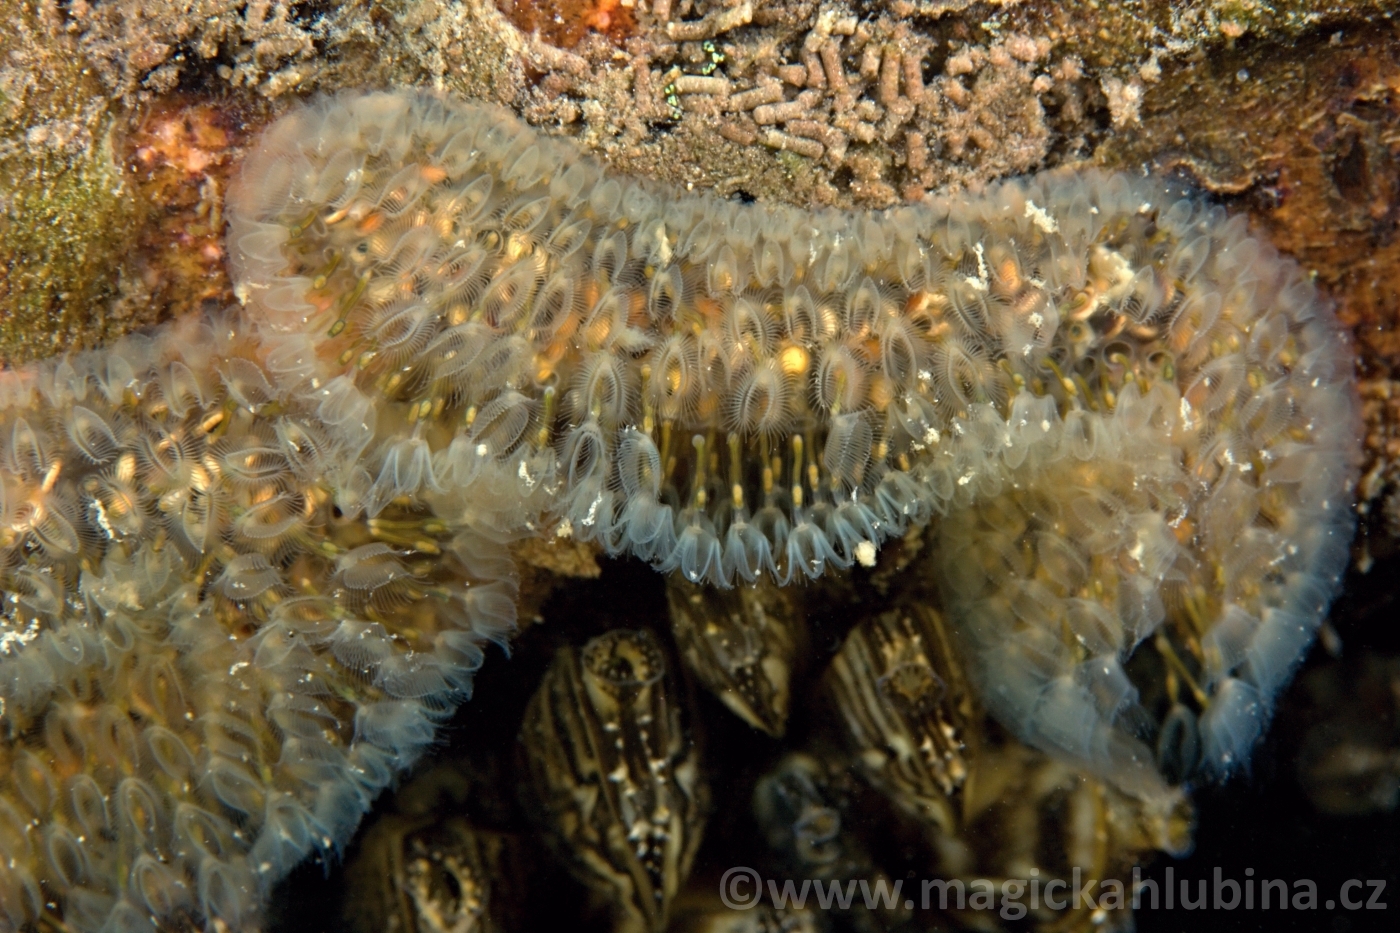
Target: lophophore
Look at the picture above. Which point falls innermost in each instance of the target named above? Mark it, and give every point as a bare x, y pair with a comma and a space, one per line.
251, 562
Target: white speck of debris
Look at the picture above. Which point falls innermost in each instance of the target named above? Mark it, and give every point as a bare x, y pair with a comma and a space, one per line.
1124, 100
1041, 217
980, 282
1151, 70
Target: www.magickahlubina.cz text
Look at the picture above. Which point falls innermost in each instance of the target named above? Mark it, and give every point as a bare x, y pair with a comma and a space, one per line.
743, 888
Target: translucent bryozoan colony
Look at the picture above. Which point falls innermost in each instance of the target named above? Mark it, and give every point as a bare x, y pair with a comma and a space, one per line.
250, 562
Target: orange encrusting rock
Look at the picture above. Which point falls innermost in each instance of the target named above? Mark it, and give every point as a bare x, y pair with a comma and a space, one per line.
564, 23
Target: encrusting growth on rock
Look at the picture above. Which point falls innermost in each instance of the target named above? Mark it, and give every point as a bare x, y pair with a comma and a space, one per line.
251, 561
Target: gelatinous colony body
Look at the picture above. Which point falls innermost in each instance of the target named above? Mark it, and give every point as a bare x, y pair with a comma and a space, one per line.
251, 561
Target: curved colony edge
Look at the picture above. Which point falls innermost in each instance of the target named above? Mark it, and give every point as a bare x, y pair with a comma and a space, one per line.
251, 562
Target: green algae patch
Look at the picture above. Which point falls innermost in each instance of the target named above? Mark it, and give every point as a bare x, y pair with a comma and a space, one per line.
59, 242
65, 211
